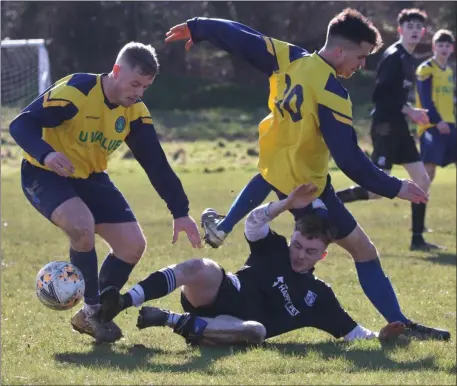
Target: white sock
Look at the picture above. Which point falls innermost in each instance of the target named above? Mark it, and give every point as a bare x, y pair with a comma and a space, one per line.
360, 332
137, 294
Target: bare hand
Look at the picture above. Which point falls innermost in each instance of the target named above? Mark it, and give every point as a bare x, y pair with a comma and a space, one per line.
410, 191
301, 197
59, 163
419, 116
188, 225
443, 127
180, 32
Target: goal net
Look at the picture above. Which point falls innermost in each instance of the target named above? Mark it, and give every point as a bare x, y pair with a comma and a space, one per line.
25, 71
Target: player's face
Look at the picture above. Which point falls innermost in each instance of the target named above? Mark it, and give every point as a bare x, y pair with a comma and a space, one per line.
443, 50
411, 31
130, 84
353, 57
304, 253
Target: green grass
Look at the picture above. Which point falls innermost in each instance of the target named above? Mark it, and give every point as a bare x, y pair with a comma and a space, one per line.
39, 347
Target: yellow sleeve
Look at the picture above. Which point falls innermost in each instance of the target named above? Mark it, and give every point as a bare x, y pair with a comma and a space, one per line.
335, 97
141, 113
424, 71
61, 95
285, 53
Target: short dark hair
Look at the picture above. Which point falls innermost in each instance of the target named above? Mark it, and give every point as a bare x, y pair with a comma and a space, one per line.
353, 26
443, 35
410, 14
140, 55
313, 225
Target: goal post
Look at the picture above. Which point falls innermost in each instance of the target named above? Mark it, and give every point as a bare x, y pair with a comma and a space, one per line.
25, 71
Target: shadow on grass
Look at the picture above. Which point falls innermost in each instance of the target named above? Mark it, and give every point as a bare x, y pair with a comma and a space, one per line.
442, 258
202, 360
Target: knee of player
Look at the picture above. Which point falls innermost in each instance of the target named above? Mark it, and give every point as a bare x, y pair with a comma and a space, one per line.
133, 249
258, 330
196, 269
82, 236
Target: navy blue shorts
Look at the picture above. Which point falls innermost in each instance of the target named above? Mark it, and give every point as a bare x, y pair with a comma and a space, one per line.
439, 149
341, 218
46, 190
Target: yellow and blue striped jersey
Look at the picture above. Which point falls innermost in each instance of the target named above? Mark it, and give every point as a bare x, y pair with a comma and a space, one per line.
435, 92
310, 112
78, 121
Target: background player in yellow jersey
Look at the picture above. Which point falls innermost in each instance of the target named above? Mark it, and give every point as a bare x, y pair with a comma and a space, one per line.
310, 118
67, 134
393, 143
435, 92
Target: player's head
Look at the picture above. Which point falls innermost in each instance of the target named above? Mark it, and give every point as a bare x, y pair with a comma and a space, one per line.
411, 25
134, 71
443, 44
351, 37
308, 244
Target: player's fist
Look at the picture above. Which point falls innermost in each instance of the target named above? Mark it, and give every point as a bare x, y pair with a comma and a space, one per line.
188, 225
419, 116
59, 163
410, 191
180, 32
443, 127
301, 196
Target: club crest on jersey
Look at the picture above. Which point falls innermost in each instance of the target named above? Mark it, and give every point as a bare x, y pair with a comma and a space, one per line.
310, 298
119, 126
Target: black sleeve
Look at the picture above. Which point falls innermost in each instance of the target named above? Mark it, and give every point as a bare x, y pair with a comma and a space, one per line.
388, 93
271, 242
327, 314
146, 148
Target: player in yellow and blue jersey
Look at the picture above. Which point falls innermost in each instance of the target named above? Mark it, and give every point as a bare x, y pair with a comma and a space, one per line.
67, 135
310, 118
435, 92
393, 143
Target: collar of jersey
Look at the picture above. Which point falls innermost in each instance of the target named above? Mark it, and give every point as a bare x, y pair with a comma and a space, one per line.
316, 54
434, 62
110, 105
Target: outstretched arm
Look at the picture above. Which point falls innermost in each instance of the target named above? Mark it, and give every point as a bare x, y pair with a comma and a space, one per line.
256, 226
229, 36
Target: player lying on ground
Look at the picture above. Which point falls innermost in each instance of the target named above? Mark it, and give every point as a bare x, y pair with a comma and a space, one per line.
67, 135
393, 144
310, 118
435, 92
273, 293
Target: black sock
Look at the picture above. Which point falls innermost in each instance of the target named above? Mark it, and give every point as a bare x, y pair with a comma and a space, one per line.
114, 272
353, 194
158, 284
418, 220
87, 264
127, 301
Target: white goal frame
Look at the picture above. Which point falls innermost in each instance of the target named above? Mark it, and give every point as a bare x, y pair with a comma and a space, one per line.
44, 67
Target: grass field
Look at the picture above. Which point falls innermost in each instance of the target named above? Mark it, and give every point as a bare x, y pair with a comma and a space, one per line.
39, 347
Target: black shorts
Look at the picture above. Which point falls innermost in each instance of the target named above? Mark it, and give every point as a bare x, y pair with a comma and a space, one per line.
229, 300
243, 303
46, 190
439, 149
393, 144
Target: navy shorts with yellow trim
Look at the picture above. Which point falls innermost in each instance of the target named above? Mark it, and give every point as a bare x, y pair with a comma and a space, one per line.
439, 149
46, 190
338, 214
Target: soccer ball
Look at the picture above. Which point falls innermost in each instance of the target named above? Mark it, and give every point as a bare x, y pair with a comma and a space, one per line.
60, 285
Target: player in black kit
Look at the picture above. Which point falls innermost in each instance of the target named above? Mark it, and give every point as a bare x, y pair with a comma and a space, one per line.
273, 293
393, 144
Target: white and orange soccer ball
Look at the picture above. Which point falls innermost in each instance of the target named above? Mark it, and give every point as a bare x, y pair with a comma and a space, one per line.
60, 285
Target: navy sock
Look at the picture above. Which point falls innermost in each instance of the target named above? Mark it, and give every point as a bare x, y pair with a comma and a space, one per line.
418, 221
253, 194
87, 264
379, 290
114, 272
158, 284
